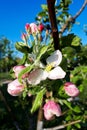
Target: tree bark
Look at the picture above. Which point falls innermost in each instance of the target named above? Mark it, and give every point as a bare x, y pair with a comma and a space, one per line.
52, 17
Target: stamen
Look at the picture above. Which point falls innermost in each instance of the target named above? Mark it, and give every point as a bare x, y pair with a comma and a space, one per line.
49, 67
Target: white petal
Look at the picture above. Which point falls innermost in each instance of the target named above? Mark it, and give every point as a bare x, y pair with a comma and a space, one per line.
55, 58
36, 76
42, 65
44, 75
56, 73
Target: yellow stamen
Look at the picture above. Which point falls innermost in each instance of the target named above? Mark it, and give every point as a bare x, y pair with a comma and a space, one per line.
49, 67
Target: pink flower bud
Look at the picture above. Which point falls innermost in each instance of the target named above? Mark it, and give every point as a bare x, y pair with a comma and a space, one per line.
27, 27
40, 27
71, 89
24, 36
34, 28
18, 69
50, 109
15, 88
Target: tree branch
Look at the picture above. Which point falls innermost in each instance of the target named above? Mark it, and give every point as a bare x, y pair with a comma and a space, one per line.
40, 118
72, 19
65, 125
52, 17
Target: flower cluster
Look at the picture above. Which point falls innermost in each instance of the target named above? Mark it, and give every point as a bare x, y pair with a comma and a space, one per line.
39, 69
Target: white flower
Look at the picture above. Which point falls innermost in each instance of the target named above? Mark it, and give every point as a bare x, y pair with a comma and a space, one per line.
51, 70
54, 60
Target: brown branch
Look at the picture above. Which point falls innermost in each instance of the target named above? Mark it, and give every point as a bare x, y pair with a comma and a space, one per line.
40, 118
65, 125
72, 19
80, 11
52, 17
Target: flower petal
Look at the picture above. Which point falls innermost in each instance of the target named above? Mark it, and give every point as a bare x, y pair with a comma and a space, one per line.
56, 73
36, 76
34, 28
55, 58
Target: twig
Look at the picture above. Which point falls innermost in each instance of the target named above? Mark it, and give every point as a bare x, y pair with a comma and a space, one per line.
65, 125
40, 119
72, 19
52, 17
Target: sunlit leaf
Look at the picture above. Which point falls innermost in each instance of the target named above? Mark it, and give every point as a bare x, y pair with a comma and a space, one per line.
38, 100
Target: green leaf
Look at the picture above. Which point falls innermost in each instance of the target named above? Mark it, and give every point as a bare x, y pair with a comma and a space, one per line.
38, 100
68, 104
24, 94
70, 40
23, 59
59, 18
78, 125
22, 48
42, 51
69, 127
69, 51
77, 109
44, 7
76, 41
68, 118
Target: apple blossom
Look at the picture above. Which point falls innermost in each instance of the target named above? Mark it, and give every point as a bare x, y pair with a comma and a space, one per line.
15, 88
51, 108
18, 69
33, 28
51, 70
71, 89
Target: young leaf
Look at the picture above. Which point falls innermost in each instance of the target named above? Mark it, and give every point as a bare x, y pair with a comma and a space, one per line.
38, 100
68, 104
44, 7
76, 109
42, 51
76, 41
22, 61
22, 48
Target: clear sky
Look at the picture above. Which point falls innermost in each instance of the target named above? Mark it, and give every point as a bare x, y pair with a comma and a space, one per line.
14, 14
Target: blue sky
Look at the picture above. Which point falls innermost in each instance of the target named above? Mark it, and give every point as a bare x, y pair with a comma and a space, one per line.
14, 14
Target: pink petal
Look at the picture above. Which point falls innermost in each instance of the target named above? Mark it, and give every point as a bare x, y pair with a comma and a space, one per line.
15, 88
55, 58
34, 28
56, 73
